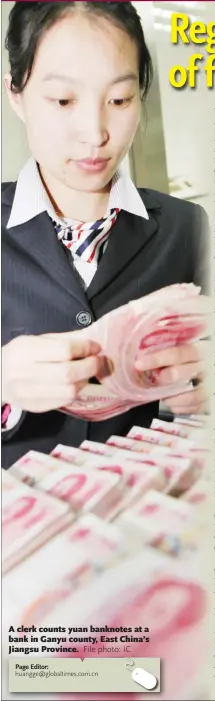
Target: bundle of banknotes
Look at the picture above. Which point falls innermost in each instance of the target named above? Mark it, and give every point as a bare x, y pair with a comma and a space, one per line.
113, 535
175, 315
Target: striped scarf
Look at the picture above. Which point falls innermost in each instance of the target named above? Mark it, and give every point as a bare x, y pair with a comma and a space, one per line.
87, 241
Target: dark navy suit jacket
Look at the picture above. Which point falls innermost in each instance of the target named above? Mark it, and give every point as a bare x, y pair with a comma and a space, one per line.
41, 293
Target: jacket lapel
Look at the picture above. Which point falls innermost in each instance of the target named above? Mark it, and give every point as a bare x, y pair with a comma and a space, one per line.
128, 236
39, 241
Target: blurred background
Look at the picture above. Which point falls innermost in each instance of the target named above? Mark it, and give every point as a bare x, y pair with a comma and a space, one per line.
172, 151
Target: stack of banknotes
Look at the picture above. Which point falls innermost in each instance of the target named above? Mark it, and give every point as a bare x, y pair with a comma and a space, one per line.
113, 535
175, 315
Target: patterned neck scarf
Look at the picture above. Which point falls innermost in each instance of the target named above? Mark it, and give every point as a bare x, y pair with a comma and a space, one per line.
87, 241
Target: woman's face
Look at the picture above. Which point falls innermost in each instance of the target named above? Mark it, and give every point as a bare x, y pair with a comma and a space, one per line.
82, 101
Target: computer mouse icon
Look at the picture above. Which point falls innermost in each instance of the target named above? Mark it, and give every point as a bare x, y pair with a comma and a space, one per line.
144, 678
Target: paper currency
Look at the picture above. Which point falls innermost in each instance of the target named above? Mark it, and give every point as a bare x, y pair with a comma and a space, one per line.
136, 480
81, 551
183, 449
8, 481
168, 317
84, 489
127, 443
179, 472
199, 495
156, 437
173, 428
139, 455
97, 448
166, 602
130, 472
162, 521
67, 453
76, 573
33, 467
28, 518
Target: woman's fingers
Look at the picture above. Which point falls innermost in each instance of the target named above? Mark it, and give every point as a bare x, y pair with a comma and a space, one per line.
191, 402
56, 347
176, 356
179, 373
42, 373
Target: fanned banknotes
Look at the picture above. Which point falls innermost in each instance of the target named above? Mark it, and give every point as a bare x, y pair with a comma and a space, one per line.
172, 316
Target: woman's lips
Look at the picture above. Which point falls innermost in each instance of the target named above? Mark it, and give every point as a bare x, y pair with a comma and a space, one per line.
92, 165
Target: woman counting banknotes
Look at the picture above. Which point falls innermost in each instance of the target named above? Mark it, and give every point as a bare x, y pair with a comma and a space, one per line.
79, 240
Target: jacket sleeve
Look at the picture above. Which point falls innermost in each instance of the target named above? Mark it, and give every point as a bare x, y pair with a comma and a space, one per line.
11, 417
201, 251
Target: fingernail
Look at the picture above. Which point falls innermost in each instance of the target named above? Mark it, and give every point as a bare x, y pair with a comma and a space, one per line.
146, 363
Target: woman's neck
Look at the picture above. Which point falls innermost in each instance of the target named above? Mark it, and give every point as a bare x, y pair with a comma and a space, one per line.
75, 204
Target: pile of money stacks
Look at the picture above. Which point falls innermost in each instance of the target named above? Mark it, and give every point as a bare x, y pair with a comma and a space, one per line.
112, 535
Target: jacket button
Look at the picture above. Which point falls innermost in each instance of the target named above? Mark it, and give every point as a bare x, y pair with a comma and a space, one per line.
83, 318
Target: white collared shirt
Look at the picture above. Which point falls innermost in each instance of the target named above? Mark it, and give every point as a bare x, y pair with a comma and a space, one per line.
31, 199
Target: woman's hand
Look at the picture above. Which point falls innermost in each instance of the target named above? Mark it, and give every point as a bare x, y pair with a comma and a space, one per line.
179, 364
42, 373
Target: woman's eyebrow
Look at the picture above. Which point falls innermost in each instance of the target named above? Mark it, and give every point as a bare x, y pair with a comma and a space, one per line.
67, 79
127, 76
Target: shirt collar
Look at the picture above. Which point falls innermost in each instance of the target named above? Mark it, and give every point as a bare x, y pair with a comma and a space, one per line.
31, 198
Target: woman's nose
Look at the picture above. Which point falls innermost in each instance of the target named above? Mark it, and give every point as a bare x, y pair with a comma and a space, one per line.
92, 129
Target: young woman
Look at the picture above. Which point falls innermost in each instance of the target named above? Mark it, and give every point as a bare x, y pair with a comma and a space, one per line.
78, 239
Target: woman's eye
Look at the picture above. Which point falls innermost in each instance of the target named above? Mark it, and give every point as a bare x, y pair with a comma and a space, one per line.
60, 103
121, 101
64, 103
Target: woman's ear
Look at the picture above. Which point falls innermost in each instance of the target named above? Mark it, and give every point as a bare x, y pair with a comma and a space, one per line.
15, 99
